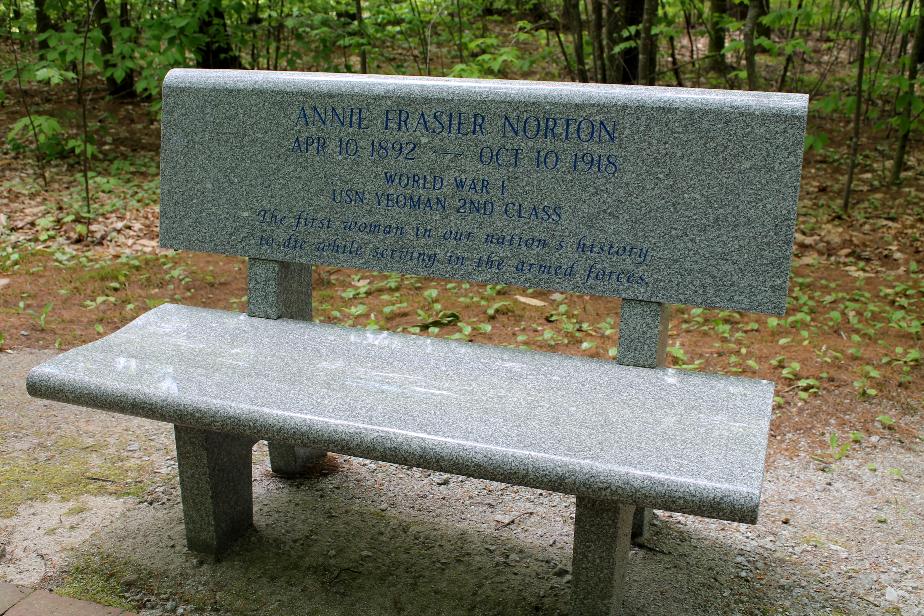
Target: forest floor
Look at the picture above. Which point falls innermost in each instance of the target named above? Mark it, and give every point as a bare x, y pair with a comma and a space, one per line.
89, 504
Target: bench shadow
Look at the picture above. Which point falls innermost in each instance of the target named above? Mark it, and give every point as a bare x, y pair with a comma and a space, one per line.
394, 542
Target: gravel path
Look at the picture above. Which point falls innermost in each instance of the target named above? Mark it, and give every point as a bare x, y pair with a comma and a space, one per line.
373, 538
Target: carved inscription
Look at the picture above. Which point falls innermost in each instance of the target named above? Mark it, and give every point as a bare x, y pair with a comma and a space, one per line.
680, 196
406, 205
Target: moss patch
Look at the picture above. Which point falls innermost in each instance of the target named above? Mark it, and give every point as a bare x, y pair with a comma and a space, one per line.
76, 509
109, 579
68, 468
92, 580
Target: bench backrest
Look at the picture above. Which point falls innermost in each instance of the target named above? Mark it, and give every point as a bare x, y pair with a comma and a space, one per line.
664, 195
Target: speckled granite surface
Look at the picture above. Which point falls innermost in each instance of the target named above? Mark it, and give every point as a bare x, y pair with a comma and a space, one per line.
672, 195
281, 290
660, 438
602, 539
216, 487
278, 290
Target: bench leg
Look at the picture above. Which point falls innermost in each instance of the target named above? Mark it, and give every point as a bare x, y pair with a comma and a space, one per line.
641, 522
289, 460
602, 537
643, 329
281, 290
216, 487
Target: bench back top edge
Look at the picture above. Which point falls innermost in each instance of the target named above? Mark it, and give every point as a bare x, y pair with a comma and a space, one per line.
668, 195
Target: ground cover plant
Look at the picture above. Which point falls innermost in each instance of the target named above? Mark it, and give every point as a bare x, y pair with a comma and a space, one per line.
79, 119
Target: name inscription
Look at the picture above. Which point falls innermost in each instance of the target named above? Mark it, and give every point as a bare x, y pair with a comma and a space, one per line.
401, 210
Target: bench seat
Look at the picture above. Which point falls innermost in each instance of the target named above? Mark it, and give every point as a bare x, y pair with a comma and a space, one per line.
659, 438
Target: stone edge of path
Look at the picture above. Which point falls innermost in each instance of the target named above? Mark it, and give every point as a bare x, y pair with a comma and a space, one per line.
21, 601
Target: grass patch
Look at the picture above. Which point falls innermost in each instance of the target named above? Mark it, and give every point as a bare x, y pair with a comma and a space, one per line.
91, 579
76, 509
109, 580
67, 468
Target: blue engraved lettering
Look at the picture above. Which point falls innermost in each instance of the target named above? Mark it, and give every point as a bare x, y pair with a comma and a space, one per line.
422, 123
438, 120
531, 127
478, 124
550, 124
582, 131
513, 127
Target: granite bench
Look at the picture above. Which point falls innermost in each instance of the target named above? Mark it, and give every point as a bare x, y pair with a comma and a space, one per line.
654, 195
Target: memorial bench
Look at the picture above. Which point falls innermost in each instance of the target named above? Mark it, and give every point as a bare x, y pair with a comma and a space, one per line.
654, 195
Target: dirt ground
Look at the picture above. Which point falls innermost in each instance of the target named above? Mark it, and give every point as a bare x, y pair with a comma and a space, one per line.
372, 538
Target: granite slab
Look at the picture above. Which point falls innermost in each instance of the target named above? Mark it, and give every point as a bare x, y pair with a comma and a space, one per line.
671, 195
661, 438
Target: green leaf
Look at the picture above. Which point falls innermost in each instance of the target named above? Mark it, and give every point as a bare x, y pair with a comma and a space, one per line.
444, 319
430, 294
733, 46
816, 142
886, 421
499, 308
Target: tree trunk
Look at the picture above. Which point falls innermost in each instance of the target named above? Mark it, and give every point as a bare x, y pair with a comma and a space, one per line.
253, 24
761, 28
105, 44
460, 35
42, 23
564, 54
216, 51
125, 19
613, 29
276, 29
114, 86
675, 65
788, 61
633, 11
858, 106
914, 60
750, 50
572, 12
873, 70
688, 27
361, 25
648, 45
903, 44
717, 15
596, 39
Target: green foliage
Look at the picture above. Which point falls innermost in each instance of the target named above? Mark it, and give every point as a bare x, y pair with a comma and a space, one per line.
46, 129
886, 421
837, 449
680, 359
530, 39
815, 142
